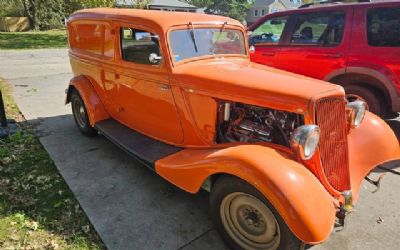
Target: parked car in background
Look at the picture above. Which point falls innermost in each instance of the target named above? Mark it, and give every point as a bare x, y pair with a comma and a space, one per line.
354, 45
281, 154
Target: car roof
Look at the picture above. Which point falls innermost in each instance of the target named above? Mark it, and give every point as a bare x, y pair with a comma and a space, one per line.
325, 7
162, 19
334, 4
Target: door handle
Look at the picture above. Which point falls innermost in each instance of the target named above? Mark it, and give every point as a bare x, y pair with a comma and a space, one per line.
268, 53
164, 87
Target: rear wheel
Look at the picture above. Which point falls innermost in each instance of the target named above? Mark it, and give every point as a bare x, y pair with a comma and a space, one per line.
80, 115
372, 98
246, 220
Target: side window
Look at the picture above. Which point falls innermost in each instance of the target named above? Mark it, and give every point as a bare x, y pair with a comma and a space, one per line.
383, 27
140, 46
318, 29
270, 32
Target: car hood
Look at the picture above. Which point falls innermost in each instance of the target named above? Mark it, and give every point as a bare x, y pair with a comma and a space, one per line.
242, 80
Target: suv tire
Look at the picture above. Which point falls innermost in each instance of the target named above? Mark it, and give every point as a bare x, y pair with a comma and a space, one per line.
374, 100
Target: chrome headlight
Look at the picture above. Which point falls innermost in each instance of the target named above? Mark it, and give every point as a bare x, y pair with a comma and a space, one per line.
304, 140
358, 109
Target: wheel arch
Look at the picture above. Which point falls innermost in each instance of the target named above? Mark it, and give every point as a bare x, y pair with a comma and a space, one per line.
297, 195
371, 79
94, 106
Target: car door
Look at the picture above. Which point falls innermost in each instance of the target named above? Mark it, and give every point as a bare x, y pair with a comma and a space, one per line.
317, 43
266, 39
144, 96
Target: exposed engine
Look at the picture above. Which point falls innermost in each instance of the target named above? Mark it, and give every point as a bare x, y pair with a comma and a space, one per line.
247, 123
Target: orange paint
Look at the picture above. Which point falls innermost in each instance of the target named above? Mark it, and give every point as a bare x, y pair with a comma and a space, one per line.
177, 102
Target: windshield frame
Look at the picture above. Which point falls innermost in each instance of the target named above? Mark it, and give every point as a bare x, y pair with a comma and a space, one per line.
210, 25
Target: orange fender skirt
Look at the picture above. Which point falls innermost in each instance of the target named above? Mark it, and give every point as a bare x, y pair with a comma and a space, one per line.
93, 104
293, 190
372, 144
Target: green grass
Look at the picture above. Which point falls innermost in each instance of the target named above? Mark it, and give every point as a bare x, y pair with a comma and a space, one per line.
37, 209
33, 39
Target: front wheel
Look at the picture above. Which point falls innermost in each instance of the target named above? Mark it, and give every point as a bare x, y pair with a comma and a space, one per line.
246, 220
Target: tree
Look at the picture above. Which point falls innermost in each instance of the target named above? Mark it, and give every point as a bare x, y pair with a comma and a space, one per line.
11, 8
142, 4
43, 14
233, 8
200, 3
97, 3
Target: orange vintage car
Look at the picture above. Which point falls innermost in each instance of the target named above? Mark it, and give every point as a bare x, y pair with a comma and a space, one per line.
282, 155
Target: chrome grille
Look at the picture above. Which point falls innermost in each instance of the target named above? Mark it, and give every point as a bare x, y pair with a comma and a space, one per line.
331, 118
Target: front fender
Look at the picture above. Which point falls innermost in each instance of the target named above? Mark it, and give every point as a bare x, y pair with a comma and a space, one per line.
370, 145
292, 189
94, 106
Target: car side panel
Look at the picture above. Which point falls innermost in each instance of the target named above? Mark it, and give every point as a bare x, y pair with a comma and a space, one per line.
385, 58
317, 61
293, 190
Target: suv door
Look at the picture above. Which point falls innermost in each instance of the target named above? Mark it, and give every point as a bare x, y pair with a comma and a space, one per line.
316, 43
266, 39
145, 99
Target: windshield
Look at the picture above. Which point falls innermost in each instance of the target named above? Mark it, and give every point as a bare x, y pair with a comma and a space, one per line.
197, 42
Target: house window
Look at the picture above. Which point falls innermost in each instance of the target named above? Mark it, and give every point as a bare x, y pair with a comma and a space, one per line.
263, 12
256, 12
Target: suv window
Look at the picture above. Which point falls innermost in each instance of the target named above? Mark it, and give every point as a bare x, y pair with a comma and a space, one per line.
319, 29
269, 32
383, 27
138, 45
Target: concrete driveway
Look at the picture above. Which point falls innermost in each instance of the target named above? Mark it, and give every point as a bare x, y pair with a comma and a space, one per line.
132, 208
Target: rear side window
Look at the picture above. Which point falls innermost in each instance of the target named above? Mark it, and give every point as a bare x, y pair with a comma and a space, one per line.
318, 29
138, 45
91, 39
383, 27
270, 32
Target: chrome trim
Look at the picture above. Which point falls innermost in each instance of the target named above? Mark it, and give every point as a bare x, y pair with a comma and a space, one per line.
356, 107
348, 201
299, 138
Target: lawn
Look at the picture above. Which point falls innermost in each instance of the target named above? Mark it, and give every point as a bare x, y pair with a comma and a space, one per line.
33, 39
37, 209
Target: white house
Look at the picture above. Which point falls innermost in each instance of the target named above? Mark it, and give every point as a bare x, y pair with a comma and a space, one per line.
263, 7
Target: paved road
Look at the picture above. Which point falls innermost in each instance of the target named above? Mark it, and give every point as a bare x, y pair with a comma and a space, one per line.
130, 207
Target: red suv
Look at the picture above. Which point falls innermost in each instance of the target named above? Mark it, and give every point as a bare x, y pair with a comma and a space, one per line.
354, 45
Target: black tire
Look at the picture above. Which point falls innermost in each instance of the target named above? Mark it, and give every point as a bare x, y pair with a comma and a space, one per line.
228, 186
373, 99
80, 115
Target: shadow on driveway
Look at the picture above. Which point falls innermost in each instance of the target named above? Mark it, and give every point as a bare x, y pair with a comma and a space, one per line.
130, 206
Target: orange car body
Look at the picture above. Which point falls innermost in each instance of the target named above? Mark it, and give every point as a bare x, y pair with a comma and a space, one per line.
176, 102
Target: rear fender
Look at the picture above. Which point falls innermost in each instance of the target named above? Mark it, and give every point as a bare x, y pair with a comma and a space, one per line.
296, 194
372, 144
94, 106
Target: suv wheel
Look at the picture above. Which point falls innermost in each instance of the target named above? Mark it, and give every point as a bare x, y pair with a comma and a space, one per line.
374, 100
246, 220
80, 115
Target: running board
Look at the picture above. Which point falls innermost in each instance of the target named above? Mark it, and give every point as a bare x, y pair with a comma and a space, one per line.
141, 147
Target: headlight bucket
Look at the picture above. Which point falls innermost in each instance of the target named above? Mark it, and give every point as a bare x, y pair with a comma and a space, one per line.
304, 141
357, 113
